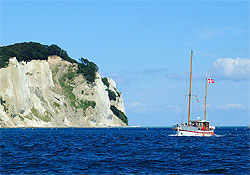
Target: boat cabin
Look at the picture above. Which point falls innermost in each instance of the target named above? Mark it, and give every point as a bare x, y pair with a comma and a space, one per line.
201, 124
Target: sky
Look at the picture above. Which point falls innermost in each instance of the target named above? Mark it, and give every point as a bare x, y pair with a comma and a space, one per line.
145, 46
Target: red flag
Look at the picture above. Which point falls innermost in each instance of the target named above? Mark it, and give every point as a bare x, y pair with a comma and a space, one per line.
210, 80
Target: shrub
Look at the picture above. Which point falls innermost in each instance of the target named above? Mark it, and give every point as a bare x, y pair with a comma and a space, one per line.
28, 117
56, 105
111, 95
46, 117
105, 81
67, 88
84, 104
22, 119
88, 69
4, 61
119, 114
56, 50
34, 111
3, 103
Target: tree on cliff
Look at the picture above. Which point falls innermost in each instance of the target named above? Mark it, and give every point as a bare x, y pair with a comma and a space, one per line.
88, 69
28, 51
56, 50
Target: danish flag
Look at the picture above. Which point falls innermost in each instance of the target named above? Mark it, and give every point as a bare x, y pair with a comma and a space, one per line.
210, 80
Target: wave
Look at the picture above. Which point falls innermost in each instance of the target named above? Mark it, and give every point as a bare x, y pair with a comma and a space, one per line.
173, 135
217, 135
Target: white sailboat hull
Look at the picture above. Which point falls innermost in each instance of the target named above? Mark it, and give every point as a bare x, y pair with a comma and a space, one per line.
184, 130
194, 133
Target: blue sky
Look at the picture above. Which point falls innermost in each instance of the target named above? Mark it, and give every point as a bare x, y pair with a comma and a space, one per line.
145, 47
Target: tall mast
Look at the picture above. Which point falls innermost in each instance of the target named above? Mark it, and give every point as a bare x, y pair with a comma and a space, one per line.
205, 100
189, 104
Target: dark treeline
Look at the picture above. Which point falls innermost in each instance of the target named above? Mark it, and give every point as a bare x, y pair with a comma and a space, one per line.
28, 51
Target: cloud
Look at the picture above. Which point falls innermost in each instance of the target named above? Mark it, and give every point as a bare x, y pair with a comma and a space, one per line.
135, 104
165, 73
232, 69
137, 107
211, 33
171, 75
165, 108
207, 106
155, 71
178, 108
183, 76
142, 108
119, 79
230, 106
206, 33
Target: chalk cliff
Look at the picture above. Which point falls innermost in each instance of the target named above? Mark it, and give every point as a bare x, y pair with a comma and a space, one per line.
49, 93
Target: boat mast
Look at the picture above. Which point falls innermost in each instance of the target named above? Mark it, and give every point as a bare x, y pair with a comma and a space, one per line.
189, 104
205, 100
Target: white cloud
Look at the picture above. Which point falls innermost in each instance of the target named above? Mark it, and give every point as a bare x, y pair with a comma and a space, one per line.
207, 106
164, 108
135, 104
119, 79
211, 33
169, 75
141, 108
136, 107
206, 33
155, 71
230, 106
234, 69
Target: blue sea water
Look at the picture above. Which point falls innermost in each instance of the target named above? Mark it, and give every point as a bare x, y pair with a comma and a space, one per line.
123, 151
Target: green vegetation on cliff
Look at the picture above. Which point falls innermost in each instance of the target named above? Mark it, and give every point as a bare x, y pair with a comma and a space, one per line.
66, 81
28, 51
111, 95
105, 81
84, 104
3, 103
88, 69
119, 114
46, 117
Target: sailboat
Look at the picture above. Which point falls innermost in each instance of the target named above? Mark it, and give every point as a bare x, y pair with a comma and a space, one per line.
195, 127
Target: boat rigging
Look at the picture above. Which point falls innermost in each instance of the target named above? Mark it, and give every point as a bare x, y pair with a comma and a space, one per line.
196, 127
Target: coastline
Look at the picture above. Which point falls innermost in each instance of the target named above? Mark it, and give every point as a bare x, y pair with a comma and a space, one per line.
107, 127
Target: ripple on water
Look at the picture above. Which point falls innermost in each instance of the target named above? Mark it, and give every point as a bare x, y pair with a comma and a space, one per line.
122, 151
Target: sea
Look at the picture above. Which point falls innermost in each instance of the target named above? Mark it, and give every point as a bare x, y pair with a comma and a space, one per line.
123, 151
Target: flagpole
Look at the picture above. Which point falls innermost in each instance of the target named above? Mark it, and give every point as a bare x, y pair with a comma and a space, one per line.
190, 89
205, 100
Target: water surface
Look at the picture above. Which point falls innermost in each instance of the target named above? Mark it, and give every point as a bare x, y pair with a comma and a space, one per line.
123, 151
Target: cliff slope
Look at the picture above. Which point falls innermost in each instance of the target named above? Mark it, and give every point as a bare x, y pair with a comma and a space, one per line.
50, 93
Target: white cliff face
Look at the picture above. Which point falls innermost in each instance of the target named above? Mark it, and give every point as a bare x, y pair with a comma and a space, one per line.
37, 94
